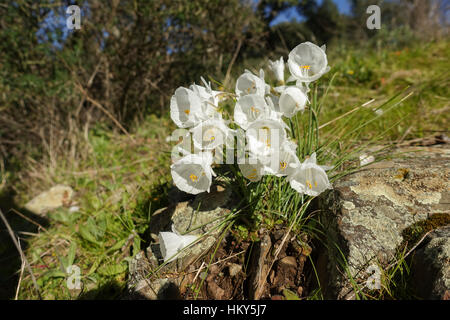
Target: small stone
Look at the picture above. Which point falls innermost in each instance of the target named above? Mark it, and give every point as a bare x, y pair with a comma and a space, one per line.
51, 199
234, 269
289, 261
213, 269
215, 291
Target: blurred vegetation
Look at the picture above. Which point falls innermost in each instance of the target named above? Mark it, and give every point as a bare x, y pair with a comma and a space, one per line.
129, 56
123, 63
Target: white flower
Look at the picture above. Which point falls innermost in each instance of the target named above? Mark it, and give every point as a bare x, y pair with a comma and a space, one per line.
248, 83
183, 147
364, 159
265, 136
283, 161
185, 108
250, 108
203, 92
209, 99
280, 89
309, 178
291, 101
193, 173
286, 163
209, 134
277, 69
308, 62
170, 243
273, 102
206, 93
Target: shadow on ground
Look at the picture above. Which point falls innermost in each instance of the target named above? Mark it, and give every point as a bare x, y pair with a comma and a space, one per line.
10, 261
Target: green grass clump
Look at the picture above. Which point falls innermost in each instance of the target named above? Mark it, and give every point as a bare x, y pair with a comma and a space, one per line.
119, 185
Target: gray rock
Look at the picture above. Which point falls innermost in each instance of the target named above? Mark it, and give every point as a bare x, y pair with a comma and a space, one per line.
431, 266
366, 212
234, 269
51, 199
142, 286
202, 217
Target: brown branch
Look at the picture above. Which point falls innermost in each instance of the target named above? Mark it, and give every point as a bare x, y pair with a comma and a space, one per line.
227, 75
104, 110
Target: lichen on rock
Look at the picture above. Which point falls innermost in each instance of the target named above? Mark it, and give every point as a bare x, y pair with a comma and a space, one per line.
367, 211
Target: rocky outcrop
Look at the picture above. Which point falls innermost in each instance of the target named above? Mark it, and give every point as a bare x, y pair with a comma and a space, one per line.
431, 266
366, 213
202, 216
366, 219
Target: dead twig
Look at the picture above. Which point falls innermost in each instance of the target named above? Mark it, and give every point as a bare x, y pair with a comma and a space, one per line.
22, 255
20, 277
411, 250
198, 272
346, 114
227, 75
105, 111
222, 260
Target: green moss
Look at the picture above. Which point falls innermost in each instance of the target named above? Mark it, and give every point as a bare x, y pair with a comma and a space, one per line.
416, 231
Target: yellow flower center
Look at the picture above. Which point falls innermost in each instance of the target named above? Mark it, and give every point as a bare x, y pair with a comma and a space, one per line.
266, 136
305, 67
209, 135
187, 111
193, 177
283, 165
254, 109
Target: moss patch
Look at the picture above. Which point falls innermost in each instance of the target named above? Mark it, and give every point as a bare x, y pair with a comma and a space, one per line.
415, 232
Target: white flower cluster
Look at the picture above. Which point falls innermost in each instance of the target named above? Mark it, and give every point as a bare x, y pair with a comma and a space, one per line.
259, 112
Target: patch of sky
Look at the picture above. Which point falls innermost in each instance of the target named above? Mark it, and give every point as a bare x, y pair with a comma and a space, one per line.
292, 15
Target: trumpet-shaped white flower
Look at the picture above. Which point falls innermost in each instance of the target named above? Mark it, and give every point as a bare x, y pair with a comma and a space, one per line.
273, 102
170, 243
202, 92
206, 93
288, 160
309, 178
277, 68
193, 173
250, 108
209, 99
265, 136
291, 101
308, 62
209, 134
248, 83
283, 162
185, 108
